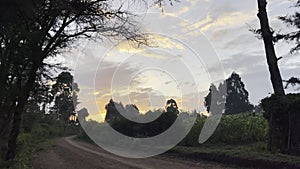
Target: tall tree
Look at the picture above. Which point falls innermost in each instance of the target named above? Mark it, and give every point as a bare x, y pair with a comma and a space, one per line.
168, 118
235, 94
212, 99
171, 106
33, 30
268, 38
65, 96
113, 111
278, 125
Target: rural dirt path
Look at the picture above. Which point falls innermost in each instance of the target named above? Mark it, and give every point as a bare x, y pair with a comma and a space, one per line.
73, 154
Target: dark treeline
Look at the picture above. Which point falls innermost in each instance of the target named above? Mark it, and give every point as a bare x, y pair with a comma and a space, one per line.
32, 31
155, 122
236, 129
126, 119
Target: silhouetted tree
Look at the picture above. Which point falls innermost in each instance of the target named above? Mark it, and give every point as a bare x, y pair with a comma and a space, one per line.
171, 106
33, 30
213, 93
134, 129
82, 114
113, 112
235, 96
268, 38
292, 20
65, 96
275, 115
293, 81
132, 111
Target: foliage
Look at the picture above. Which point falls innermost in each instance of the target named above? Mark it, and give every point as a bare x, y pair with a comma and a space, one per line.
35, 137
37, 126
240, 128
293, 81
247, 155
284, 114
33, 30
116, 116
292, 20
235, 93
65, 96
25, 153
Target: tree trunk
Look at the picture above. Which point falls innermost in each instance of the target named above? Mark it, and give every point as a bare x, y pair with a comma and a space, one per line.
267, 36
12, 142
6, 114
5, 120
272, 62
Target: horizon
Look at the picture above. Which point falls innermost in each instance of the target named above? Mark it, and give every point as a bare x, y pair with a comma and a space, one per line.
202, 40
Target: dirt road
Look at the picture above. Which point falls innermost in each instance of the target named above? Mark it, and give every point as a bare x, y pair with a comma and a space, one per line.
73, 154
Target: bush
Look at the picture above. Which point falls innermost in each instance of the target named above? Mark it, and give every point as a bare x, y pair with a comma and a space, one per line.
232, 129
284, 117
26, 149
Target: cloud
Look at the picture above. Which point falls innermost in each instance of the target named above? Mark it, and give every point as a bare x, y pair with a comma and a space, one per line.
129, 47
183, 10
228, 20
222, 21
166, 42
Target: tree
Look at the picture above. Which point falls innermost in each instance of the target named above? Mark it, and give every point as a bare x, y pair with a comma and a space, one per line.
236, 96
82, 114
294, 36
171, 106
293, 81
36, 104
113, 111
278, 125
292, 20
213, 93
268, 38
169, 116
64, 92
33, 30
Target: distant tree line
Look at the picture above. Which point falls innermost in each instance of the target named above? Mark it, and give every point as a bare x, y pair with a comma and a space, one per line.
241, 128
156, 121
121, 118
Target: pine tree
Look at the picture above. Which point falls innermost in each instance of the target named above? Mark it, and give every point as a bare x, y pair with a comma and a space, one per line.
235, 97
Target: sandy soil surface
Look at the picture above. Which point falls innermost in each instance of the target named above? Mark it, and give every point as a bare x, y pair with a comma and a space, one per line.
73, 154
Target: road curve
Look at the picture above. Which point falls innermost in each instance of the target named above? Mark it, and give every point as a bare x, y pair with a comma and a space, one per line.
73, 154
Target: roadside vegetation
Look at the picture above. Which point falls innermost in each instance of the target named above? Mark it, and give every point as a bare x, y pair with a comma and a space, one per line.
36, 106
38, 133
240, 138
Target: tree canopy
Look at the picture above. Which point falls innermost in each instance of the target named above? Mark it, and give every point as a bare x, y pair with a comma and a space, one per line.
33, 30
292, 20
65, 96
236, 96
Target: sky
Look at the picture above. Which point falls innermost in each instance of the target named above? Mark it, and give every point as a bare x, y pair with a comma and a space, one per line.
193, 43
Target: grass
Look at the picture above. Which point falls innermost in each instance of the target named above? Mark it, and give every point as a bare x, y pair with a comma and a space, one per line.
28, 146
252, 155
